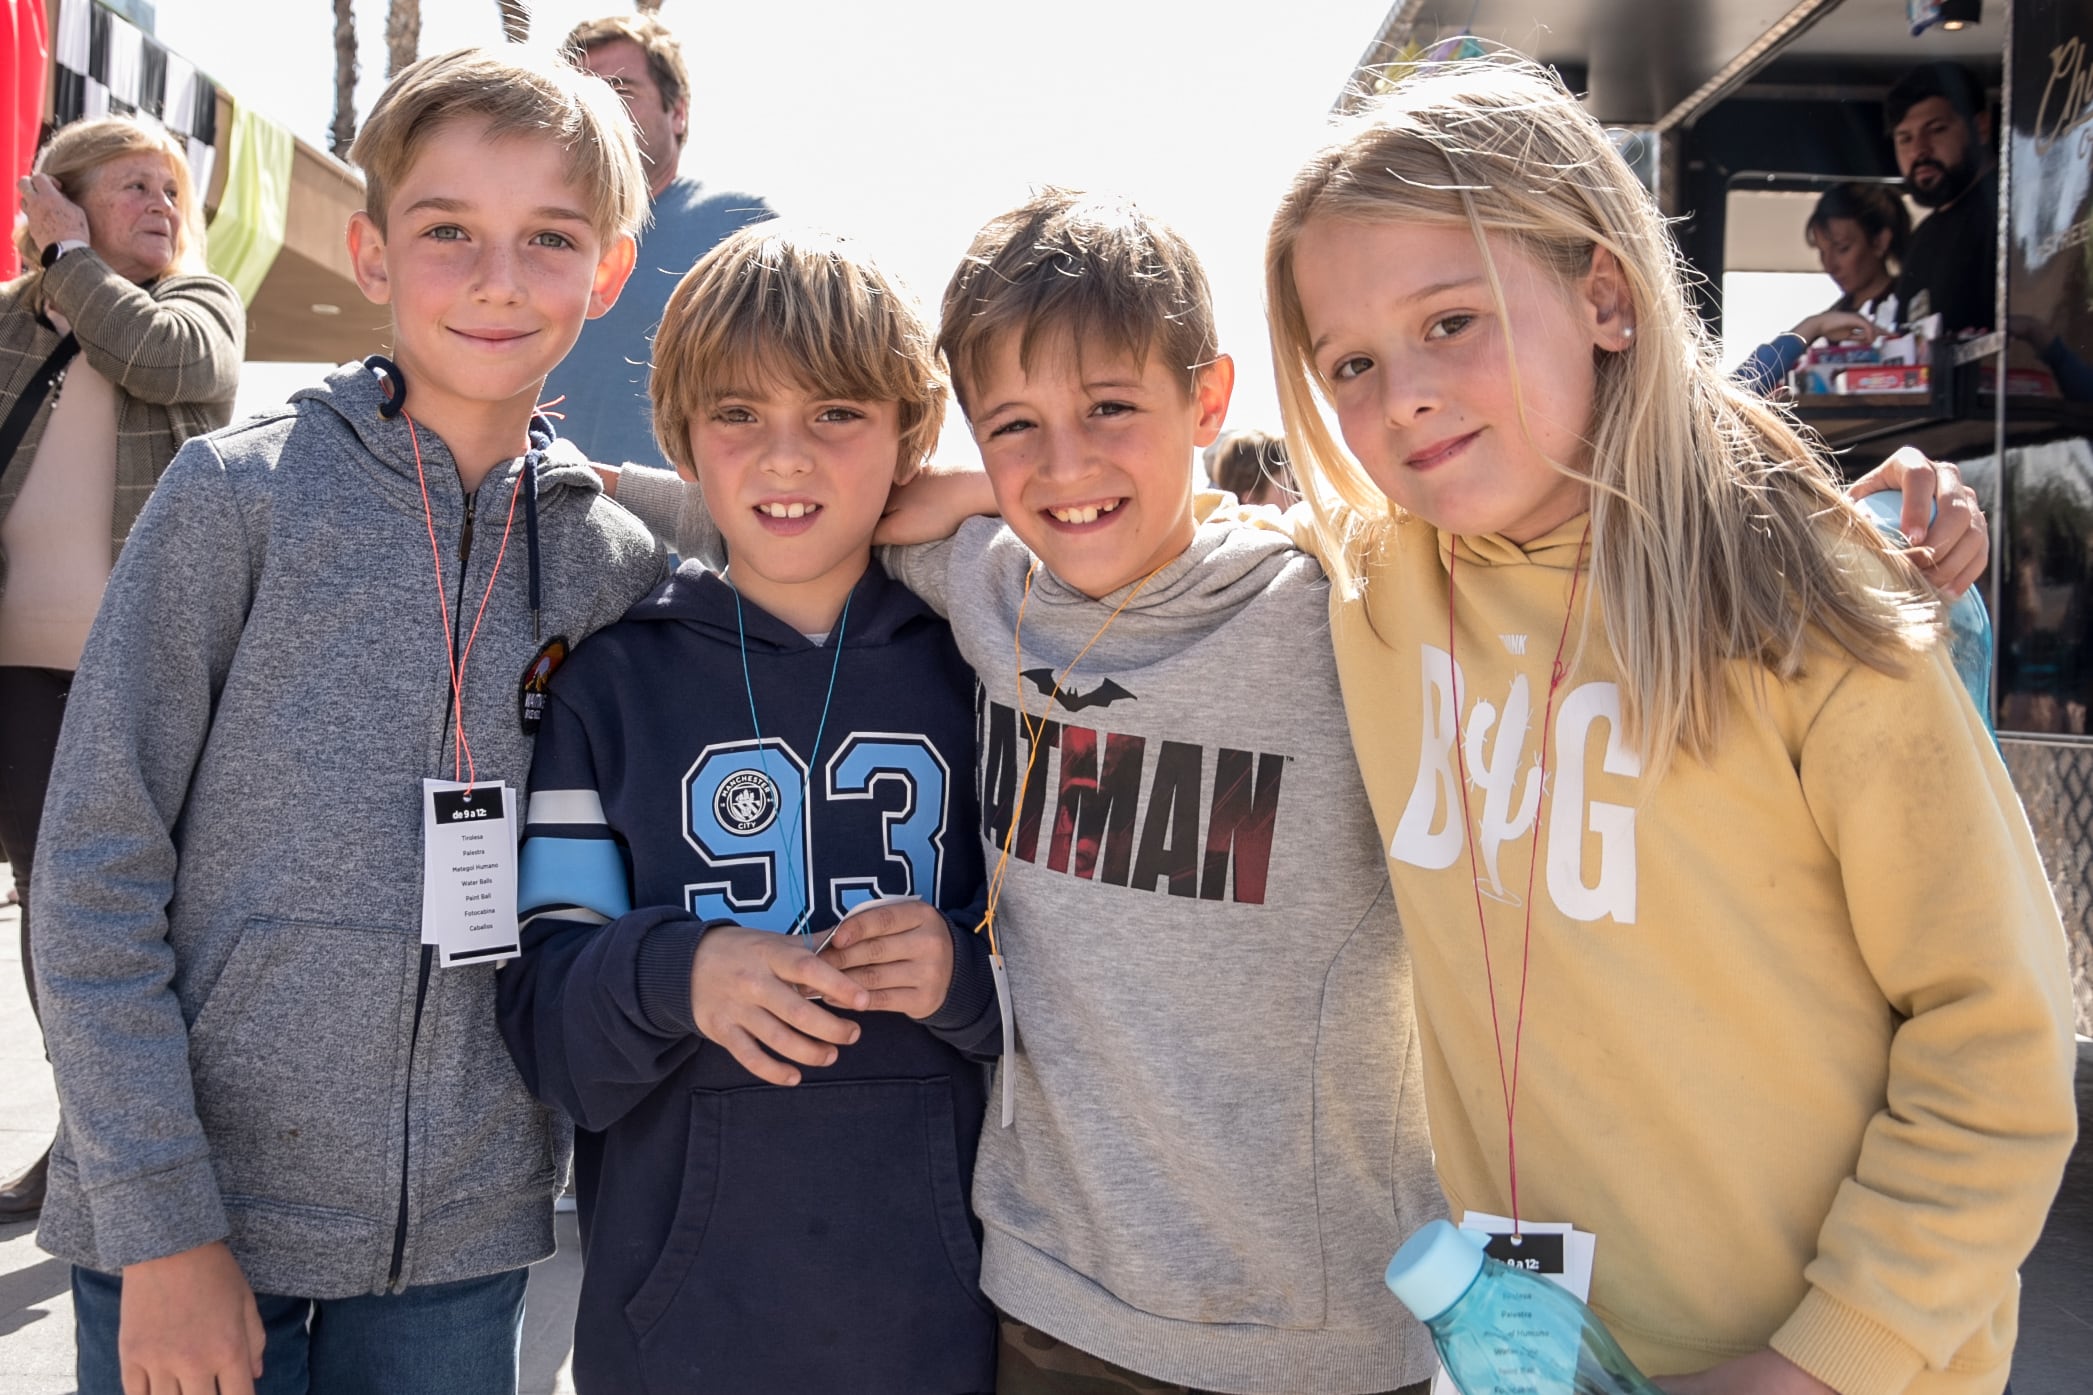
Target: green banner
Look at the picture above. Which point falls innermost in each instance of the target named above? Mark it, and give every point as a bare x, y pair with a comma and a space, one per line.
247, 232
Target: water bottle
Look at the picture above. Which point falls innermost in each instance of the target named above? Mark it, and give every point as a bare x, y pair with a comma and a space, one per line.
1503, 1331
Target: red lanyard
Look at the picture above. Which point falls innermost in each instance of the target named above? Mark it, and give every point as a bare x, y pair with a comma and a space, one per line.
1508, 1081
461, 758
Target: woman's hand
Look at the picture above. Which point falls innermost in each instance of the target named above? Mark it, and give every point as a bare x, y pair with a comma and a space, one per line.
52, 216
1838, 325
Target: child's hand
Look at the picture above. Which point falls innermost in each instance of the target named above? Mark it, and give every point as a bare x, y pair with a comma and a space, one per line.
189, 1322
932, 506
902, 952
1761, 1373
745, 995
1951, 543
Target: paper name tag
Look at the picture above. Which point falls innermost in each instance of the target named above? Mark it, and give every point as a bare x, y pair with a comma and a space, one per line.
469, 871
1555, 1250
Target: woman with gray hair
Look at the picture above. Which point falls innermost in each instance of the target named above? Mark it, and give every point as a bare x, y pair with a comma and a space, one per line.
115, 347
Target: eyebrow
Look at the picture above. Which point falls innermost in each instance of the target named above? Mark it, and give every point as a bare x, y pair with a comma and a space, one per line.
439, 204
1421, 293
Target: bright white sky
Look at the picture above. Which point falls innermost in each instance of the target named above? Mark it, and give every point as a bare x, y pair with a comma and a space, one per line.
906, 126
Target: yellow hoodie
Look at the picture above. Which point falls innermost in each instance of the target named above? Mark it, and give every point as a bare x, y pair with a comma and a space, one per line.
1797, 1030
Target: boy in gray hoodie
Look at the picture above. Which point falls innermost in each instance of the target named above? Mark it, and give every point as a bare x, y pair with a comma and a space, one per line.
295, 1153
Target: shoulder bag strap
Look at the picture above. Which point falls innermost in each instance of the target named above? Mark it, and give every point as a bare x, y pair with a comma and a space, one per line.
33, 394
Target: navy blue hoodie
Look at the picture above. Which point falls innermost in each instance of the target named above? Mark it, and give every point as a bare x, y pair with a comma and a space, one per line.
737, 1236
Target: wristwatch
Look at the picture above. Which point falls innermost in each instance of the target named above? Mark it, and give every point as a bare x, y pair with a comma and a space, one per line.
59, 249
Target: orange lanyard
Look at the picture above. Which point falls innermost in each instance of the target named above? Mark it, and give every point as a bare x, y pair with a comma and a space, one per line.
1508, 1080
461, 757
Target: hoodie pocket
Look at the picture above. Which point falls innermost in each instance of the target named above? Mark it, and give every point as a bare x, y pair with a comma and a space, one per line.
295, 1057
821, 1241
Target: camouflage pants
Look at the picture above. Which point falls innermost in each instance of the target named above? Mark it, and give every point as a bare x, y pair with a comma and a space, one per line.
1029, 1362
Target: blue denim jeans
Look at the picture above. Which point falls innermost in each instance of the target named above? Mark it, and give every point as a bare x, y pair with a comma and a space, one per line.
437, 1339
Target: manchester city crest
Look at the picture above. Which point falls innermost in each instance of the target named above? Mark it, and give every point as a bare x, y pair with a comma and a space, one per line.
746, 802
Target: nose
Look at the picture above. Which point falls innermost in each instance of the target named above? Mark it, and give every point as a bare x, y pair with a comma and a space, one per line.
1409, 392
498, 275
787, 453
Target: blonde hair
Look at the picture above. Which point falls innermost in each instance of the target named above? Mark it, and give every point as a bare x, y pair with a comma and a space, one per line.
1717, 532
514, 98
1096, 268
776, 303
76, 155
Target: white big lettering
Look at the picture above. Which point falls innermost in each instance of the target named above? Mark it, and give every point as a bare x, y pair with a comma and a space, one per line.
1495, 772
1614, 892
1429, 834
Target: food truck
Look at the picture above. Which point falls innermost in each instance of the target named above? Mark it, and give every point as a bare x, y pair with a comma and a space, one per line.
1738, 115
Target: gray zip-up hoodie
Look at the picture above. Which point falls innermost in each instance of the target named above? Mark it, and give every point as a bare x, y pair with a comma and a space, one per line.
1220, 1134
249, 1040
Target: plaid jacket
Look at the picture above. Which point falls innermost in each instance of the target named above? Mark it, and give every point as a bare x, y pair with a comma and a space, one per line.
172, 349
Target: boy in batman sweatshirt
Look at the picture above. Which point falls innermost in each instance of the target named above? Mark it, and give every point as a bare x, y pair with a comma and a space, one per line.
779, 1106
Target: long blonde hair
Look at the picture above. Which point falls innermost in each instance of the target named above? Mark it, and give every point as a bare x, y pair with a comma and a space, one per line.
78, 151
1717, 532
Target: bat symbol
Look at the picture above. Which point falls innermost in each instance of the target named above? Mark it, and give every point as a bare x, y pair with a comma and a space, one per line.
1103, 695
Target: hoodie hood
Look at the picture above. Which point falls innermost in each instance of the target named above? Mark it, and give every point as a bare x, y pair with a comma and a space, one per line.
355, 396
1561, 549
1225, 566
880, 610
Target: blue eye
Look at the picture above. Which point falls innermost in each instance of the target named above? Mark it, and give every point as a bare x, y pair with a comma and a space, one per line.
553, 239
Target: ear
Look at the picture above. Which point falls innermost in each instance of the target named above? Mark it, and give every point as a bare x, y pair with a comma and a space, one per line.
679, 119
1983, 124
613, 270
367, 259
1607, 308
1880, 244
1211, 389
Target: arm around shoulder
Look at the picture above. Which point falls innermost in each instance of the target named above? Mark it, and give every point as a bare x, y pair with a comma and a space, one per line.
179, 340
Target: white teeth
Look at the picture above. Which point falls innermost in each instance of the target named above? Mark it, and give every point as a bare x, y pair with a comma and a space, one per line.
1088, 513
793, 510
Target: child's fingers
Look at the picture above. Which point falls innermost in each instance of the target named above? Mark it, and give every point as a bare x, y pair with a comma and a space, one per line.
812, 1020
876, 922
816, 974
909, 1002
741, 1045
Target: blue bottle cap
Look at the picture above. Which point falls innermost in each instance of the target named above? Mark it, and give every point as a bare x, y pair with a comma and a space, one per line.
1434, 1268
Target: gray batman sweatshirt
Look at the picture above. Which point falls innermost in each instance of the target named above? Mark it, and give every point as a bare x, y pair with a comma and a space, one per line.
249, 1041
1220, 1134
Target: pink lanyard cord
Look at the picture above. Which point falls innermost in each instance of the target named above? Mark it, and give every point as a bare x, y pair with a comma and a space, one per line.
1508, 1080
461, 757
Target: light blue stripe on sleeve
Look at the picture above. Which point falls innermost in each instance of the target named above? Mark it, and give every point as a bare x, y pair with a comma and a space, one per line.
563, 872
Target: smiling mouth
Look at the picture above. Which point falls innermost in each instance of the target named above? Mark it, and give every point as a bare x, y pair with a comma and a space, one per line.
1442, 452
791, 510
1079, 514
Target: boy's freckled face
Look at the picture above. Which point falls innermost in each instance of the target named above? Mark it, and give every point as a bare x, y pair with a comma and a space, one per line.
796, 481
490, 266
1404, 329
1091, 458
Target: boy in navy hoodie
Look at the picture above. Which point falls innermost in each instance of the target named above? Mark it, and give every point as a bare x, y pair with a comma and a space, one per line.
779, 1106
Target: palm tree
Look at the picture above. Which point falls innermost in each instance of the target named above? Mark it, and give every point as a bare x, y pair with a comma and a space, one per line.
403, 34
343, 134
515, 20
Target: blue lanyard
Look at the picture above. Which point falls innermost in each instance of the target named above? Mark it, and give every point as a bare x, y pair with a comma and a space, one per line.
762, 757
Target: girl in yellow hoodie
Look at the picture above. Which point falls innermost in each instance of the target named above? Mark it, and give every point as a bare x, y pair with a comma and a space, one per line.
1732, 946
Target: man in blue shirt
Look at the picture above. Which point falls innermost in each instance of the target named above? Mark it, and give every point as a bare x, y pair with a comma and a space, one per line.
604, 379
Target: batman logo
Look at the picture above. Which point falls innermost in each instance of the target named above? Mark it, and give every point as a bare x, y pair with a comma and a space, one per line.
1103, 695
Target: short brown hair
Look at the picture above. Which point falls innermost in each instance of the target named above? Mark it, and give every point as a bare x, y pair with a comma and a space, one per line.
655, 39
77, 151
778, 303
1094, 267
514, 98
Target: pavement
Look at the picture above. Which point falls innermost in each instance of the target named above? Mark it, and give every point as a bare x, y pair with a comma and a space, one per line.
2055, 1354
